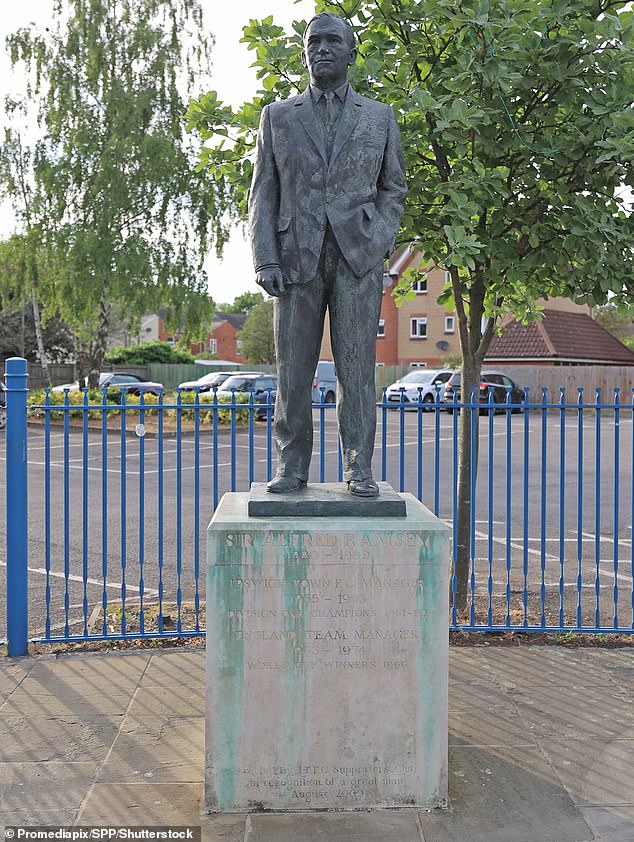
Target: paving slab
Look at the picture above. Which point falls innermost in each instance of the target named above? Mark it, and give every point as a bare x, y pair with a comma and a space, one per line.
157, 750
92, 671
42, 739
138, 804
69, 701
484, 714
335, 827
504, 794
617, 663
61, 818
34, 790
186, 670
544, 666
11, 676
175, 700
612, 824
469, 666
555, 712
595, 772
496, 727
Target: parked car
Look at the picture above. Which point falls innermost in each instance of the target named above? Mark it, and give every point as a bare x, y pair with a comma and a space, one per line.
108, 380
261, 385
422, 383
207, 382
494, 387
325, 378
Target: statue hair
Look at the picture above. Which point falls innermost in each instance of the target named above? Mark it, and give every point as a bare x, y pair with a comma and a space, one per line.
333, 16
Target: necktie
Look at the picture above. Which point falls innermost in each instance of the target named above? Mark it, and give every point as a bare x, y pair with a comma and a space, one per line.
330, 113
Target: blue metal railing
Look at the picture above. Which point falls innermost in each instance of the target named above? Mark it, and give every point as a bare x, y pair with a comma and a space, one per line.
118, 491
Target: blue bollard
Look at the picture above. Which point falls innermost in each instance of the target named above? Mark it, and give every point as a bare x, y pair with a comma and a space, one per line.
17, 546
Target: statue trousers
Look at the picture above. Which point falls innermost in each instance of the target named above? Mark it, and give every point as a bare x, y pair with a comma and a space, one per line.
354, 306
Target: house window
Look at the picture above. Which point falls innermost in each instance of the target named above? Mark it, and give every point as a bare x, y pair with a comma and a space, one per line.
420, 286
238, 346
418, 365
170, 341
213, 346
447, 277
418, 328
450, 324
381, 328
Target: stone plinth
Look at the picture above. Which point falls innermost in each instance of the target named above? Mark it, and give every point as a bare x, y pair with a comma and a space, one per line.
327, 648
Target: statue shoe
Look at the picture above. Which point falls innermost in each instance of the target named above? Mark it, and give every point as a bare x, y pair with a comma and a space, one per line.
285, 485
363, 487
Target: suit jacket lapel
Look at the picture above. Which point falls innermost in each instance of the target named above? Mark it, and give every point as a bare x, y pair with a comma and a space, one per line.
348, 120
308, 117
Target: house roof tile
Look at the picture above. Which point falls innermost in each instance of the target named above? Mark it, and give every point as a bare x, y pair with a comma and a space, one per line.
559, 335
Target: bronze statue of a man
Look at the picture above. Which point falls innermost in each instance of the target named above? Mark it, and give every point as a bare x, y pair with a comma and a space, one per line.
325, 205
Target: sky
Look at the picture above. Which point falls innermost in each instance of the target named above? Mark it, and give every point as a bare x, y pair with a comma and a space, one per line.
232, 77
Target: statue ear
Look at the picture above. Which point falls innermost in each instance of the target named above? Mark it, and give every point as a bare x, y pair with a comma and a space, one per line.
353, 57
304, 62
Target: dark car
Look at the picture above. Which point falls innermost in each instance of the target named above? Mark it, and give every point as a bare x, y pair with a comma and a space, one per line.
495, 388
109, 380
133, 384
261, 385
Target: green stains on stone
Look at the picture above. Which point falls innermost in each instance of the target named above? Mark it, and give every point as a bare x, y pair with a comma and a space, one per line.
297, 601
235, 562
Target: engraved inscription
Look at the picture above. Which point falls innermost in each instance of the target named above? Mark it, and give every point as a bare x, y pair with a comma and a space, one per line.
358, 618
314, 783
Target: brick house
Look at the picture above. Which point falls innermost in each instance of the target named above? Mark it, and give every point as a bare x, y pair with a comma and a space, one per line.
222, 342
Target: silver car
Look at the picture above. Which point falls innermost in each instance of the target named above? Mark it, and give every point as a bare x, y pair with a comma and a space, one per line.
207, 382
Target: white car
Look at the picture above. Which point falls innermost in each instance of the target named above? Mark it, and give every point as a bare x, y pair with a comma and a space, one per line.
418, 386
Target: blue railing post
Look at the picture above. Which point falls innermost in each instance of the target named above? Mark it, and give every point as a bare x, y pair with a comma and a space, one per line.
16, 483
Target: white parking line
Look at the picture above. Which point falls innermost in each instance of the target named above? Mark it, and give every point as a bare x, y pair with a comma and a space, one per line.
547, 556
89, 581
592, 536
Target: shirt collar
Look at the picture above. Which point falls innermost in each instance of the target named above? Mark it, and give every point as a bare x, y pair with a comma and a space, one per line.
340, 92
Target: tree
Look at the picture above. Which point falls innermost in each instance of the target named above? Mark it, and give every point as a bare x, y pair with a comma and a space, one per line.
618, 321
22, 257
148, 352
124, 203
18, 336
258, 345
518, 131
242, 303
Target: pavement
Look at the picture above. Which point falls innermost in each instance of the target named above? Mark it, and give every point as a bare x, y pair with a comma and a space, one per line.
541, 749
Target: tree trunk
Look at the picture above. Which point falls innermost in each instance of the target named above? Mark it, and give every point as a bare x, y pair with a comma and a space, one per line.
41, 351
82, 357
100, 345
467, 467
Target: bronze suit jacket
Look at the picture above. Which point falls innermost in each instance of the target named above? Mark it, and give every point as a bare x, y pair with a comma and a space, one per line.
296, 189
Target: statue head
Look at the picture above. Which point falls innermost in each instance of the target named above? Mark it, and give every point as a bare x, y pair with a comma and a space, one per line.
328, 50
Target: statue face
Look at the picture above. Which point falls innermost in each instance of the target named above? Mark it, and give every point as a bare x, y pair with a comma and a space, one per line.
327, 53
